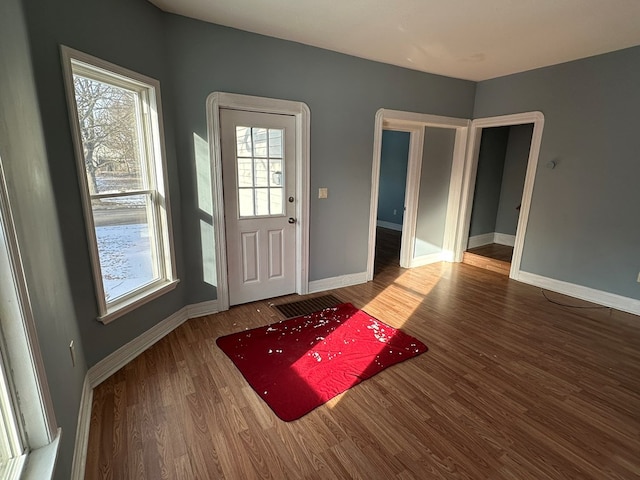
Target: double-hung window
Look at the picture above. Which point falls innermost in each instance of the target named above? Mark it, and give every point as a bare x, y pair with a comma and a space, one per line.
28, 426
117, 126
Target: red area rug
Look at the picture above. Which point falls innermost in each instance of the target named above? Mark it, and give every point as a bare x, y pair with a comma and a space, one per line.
297, 365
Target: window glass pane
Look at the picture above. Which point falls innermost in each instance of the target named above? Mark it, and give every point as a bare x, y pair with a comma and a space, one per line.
243, 142
259, 142
275, 195
245, 172
262, 201
275, 143
261, 177
245, 202
275, 172
260, 171
110, 119
124, 231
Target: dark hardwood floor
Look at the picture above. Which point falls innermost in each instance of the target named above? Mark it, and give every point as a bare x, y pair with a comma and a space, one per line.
495, 251
387, 248
512, 387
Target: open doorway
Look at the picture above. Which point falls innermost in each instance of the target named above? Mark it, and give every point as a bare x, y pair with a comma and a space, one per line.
448, 139
468, 183
394, 159
502, 166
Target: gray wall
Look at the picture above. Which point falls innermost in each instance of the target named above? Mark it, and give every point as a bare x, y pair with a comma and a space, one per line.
515, 168
130, 34
435, 176
486, 197
583, 226
394, 158
32, 198
343, 94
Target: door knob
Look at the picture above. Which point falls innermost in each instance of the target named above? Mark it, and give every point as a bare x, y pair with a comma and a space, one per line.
292, 220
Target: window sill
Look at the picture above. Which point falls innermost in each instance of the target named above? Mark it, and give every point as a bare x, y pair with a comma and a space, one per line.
42, 461
137, 301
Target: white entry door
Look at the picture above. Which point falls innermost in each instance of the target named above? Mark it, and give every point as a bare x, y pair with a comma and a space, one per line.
258, 171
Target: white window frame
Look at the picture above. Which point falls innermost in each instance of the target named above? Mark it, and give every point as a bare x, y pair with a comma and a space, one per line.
149, 88
12, 450
31, 420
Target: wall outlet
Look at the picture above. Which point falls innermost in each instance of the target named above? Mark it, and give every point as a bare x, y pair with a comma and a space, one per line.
395, 212
638, 277
323, 192
72, 351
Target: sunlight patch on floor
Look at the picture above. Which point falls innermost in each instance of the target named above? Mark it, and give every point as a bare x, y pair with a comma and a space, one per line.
404, 293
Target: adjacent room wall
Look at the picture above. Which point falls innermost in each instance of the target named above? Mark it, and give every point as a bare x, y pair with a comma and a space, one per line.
486, 197
437, 160
343, 94
515, 168
394, 158
583, 225
38, 227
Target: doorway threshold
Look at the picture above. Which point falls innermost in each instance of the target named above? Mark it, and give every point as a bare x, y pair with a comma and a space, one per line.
495, 263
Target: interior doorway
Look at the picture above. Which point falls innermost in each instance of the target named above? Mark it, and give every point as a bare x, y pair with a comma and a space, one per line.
470, 180
394, 160
502, 165
447, 132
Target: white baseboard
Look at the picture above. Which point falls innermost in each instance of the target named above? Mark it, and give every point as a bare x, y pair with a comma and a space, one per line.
118, 359
426, 259
82, 432
448, 256
201, 309
504, 239
389, 225
337, 282
624, 304
480, 240
492, 237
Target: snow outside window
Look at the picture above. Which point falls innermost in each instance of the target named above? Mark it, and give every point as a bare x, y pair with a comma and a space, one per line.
117, 125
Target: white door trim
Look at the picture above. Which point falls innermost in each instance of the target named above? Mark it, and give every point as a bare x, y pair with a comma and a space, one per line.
469, 179
414, 123
300, 110
412, 186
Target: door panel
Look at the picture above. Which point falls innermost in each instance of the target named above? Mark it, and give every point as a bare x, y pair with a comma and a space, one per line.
276, 253
249, 256
258, 170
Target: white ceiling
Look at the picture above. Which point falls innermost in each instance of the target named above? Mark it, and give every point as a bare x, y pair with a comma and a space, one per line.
470, 39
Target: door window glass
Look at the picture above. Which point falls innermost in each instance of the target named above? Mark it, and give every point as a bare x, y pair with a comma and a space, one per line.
259, 160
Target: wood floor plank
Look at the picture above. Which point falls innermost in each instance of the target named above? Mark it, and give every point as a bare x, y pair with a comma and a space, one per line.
513, 386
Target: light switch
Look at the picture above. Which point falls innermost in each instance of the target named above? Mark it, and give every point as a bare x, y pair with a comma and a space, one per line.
323, 192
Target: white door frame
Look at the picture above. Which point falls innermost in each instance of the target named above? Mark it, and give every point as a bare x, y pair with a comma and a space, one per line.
414, 168
301, 112
415, 123
469, 179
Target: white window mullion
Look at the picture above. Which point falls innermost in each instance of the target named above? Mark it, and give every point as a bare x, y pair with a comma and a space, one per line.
127, 193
